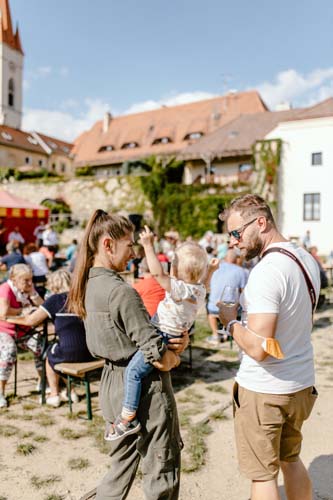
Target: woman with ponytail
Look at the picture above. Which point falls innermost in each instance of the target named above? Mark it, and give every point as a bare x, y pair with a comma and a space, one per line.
117, 325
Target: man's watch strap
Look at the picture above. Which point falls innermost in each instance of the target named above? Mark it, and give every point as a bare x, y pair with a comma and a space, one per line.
232, 322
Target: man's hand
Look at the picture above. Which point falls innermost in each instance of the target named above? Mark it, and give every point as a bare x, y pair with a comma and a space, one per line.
179, 344
227, 314
146, 237
168, 361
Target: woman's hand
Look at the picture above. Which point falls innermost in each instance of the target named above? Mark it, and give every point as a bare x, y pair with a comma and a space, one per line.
168, 361
146, 237
179, 344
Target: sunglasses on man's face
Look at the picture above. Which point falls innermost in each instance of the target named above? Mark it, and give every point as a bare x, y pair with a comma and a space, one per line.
237, 233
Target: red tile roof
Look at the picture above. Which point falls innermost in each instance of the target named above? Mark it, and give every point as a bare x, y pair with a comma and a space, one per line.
174, 122
238, 136
56, 145
16, 138
7, 35
321, 110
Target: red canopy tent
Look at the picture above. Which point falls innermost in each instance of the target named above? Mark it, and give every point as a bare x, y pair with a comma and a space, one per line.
15, 211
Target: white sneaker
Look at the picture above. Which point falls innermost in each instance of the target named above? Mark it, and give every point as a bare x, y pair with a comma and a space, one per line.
39, 388
74, 397
3, 401
54, 401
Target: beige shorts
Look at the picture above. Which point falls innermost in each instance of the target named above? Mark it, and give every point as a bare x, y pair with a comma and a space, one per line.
268, 429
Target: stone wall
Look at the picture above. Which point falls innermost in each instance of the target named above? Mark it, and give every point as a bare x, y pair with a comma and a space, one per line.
120, 194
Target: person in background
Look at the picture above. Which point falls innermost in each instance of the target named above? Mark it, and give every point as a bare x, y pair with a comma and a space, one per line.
50, 239
3, 229
210, 253
207, 240
228, 274
274, 390
12, 257
148, 288
70, 345
38, 233
222, 249
71, 250
306, 241
15, 235
15, 294
37, 261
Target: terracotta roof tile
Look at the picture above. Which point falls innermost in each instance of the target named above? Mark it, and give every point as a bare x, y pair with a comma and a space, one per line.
7, 35
13, 137
57, 146
175, 122
238, 136
320, 110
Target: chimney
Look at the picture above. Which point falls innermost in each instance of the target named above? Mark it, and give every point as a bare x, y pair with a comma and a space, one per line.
106, 121
283, 106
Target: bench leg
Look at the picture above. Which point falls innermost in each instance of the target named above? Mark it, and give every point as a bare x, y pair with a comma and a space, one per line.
88, 396
69, 390
15, 378
43, 382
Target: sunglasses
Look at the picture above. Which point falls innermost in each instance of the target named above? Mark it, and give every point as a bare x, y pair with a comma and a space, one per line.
237, 233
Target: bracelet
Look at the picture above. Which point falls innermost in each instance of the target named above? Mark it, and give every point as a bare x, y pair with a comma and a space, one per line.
232, 322
34, 296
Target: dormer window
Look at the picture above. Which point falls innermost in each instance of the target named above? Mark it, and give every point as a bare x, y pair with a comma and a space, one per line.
162, 140
52, 145
193, 136
108, 147
316, 159
11, 93
6, 136
130, 145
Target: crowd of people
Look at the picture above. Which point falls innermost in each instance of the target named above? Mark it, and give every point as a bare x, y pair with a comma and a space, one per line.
141, 329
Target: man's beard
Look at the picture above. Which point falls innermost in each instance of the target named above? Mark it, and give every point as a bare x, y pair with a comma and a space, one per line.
254, 250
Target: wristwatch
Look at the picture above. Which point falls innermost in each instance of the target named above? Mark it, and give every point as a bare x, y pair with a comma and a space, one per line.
229, 325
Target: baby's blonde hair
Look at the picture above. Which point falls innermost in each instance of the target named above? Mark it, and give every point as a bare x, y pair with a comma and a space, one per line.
191, 262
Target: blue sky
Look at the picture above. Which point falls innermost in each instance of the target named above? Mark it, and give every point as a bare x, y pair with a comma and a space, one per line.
83, 57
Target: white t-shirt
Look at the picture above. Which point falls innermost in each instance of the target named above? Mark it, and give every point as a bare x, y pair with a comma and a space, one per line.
277, 285
37, 262
177, 311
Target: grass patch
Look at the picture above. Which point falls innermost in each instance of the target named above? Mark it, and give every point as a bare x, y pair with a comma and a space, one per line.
44, 419
75, 415
40, 439
25, 448
70, 434
190, 396
8, 430
202, 330
78, 463
27, 434
217, 388
229, 353
29, 406
40, 482
25, 356
184, 421
196, 447
96, 430
218, 415
26, 416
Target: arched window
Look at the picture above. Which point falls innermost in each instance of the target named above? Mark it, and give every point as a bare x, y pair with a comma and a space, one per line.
11, 93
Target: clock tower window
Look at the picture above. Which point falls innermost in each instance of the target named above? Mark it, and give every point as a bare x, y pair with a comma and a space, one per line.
11, 93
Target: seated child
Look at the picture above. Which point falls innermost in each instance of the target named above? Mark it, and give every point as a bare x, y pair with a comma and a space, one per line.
185, 294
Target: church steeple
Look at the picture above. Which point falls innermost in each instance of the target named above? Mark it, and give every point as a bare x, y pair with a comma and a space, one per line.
7, 35
11, 70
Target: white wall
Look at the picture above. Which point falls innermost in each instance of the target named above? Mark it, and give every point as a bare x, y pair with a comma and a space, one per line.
11, 66
297, 176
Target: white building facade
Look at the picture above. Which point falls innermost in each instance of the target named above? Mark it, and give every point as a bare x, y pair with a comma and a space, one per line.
305, 180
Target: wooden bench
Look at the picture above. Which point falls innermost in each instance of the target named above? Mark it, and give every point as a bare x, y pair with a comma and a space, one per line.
83, 372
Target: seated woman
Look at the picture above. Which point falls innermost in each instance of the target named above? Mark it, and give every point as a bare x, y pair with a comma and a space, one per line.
15, 294
70, 345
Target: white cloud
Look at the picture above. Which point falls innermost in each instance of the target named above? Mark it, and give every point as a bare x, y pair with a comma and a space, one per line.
43, 71
171, 100
292, 86
63, 124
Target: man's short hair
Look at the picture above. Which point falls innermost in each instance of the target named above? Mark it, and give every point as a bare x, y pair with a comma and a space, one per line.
250, 205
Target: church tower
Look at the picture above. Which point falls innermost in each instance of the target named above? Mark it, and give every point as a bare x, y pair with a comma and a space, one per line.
11, 70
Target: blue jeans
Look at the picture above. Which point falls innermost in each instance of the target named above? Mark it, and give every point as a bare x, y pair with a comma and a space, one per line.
135, 371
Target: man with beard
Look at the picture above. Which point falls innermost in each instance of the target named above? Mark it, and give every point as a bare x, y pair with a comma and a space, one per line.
274, 391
